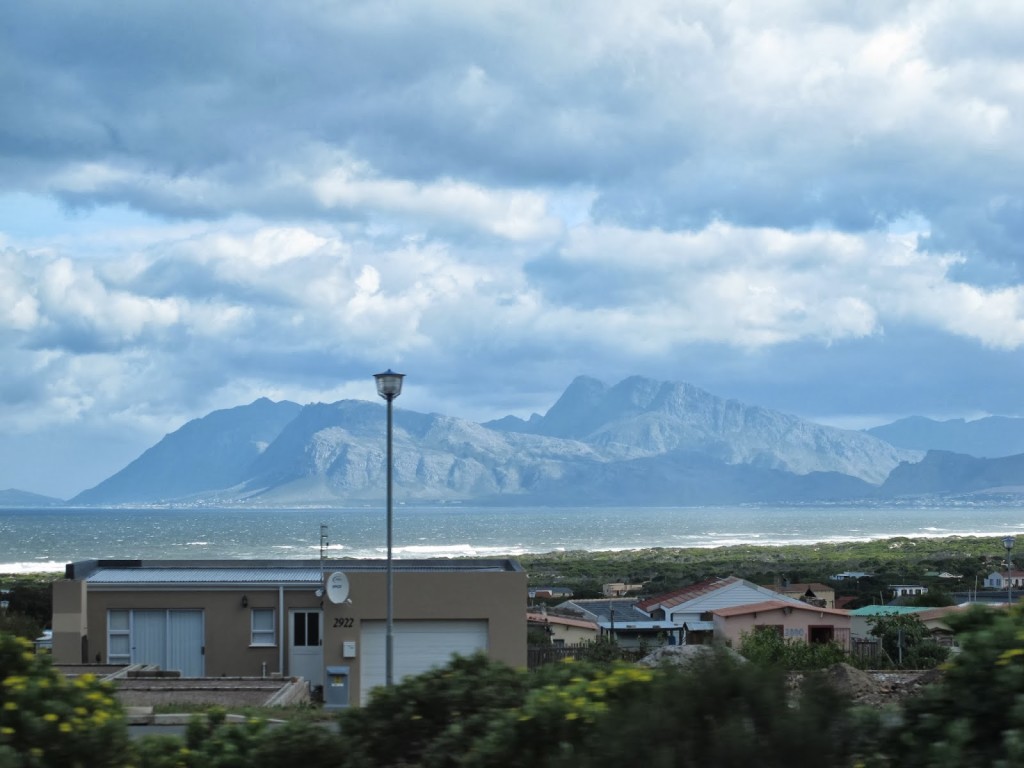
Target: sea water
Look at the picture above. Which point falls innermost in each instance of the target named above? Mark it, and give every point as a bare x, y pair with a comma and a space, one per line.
35, 540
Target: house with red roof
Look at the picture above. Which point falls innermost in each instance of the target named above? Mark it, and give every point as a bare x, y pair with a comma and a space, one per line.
692, 607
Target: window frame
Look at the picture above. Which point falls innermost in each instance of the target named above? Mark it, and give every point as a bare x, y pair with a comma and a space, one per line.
258, 634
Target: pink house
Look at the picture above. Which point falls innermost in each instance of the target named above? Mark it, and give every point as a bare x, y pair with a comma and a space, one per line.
799, 622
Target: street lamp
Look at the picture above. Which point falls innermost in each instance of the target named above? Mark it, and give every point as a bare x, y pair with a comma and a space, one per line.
389, 386
1008, 543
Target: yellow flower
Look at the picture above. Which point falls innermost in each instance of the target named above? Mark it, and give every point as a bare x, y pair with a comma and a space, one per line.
7, 731
65, 727
50, 717
10, 706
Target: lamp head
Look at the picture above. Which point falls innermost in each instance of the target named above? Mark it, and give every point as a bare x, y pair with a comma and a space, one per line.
389, 384
1008, 542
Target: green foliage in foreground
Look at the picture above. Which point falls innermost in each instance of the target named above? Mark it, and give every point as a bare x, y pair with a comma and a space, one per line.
715, 711
49, 720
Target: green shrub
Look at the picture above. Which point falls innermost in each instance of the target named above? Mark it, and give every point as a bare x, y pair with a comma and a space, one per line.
974, 716
768, 648
431, 719
49, 720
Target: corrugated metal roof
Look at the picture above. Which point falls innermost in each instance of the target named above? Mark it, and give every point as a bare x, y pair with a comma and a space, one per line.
204, 575
262, 574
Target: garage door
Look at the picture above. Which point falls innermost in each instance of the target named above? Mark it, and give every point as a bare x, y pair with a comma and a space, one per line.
418, 646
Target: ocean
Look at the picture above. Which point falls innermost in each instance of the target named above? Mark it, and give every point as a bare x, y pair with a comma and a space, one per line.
37, 540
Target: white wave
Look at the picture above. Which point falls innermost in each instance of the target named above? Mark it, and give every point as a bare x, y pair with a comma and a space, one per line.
49, 566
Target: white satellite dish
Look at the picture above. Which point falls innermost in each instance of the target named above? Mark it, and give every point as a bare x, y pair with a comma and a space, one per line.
337, 587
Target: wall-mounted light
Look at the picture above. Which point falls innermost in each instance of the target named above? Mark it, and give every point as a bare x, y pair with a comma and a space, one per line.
245, 601
319, 592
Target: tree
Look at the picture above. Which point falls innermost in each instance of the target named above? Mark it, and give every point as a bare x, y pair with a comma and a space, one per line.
906, 642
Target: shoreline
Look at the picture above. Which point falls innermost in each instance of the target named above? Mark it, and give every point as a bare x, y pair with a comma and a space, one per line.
985, 551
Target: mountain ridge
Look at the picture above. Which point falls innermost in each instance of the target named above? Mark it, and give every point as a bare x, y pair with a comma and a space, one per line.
640, 441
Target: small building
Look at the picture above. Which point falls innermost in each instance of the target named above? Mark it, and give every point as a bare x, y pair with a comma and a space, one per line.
850, 575
998, 580
209, 618
802, 622
549, 593
862, 619
563, 630
618, 589
907, 590
619, 619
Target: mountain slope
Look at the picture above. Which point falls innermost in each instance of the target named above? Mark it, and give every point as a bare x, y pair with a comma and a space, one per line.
642, 417
991, 437
206, 454
944, 472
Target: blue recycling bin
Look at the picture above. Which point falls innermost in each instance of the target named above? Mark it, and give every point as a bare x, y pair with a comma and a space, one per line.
336, 685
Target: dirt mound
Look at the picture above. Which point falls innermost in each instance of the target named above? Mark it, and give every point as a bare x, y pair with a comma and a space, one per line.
874, 688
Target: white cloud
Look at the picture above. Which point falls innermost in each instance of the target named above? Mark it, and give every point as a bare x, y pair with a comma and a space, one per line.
502, 196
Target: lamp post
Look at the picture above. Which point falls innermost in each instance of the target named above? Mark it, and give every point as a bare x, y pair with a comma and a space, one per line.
1008, 543
389, 386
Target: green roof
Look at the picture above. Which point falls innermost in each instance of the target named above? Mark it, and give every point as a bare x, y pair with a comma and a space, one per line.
884, 610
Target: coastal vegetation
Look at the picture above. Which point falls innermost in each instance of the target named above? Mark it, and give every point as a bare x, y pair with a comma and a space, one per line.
888, 561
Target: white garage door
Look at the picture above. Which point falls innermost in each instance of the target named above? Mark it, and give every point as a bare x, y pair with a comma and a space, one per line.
418, 646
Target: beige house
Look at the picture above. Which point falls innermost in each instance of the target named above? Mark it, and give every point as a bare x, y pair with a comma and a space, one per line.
793, 621
564, 630
324, 621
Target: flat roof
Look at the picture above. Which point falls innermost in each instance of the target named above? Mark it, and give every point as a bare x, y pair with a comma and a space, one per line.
118, 572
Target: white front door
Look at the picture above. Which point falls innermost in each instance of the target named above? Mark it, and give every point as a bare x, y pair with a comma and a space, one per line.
306, 646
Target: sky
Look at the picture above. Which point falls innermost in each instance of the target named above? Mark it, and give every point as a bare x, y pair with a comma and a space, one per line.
815, 207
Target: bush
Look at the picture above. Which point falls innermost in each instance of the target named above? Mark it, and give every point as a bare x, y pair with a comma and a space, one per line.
432, 719
974, 716
768, 648
49, 720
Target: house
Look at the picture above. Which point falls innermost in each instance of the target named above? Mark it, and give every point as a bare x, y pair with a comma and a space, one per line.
621, 620
563, 630
548, 593
997, 580
213, 618
690, 608
814, 593
618, 589
801, 622
907, 590
848, 575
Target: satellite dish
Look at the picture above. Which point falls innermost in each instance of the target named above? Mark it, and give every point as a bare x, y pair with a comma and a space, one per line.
337, 587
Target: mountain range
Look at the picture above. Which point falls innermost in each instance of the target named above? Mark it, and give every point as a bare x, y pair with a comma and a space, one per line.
639, 442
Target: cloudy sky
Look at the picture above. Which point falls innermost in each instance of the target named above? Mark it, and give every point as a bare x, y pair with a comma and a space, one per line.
816, 206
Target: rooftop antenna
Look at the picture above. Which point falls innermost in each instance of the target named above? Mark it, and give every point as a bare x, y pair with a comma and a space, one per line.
323, 548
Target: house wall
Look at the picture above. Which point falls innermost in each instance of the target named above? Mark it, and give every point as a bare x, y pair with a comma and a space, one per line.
571, 635
796, 624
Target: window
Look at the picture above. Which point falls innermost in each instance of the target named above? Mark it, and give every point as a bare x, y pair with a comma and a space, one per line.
263, 627
119, 649
306, 629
